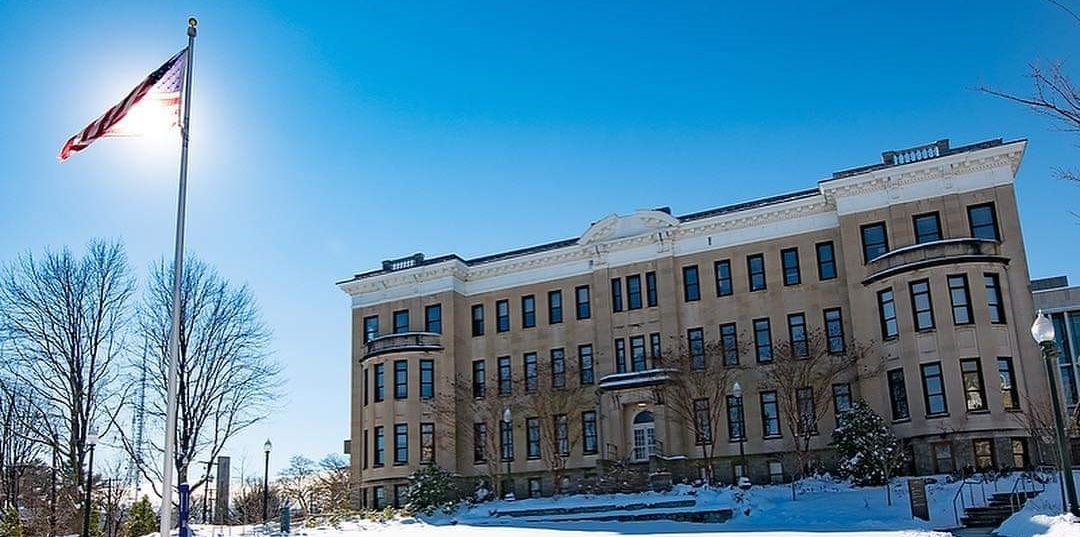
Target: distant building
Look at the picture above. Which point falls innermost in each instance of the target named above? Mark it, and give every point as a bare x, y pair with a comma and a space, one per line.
1062, 303
919, 256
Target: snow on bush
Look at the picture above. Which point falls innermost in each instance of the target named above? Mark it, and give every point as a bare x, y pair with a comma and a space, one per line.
868, 452
431, 488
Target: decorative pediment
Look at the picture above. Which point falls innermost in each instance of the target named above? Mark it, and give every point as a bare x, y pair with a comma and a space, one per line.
641, 222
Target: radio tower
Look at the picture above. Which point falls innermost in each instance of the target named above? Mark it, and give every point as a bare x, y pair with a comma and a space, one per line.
138, 419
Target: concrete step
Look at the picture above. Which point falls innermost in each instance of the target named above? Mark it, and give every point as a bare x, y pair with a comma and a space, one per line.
598, 508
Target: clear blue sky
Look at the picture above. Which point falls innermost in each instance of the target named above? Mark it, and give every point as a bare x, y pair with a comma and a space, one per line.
327, 137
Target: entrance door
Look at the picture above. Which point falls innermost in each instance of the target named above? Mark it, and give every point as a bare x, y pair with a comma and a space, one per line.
644, 436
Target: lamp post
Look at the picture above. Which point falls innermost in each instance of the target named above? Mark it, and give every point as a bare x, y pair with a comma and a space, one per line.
736, 391
90, 442
507, 454
1043, 332
266, 480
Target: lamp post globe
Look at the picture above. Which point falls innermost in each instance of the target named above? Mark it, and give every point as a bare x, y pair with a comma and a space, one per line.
1042, 330
266, 482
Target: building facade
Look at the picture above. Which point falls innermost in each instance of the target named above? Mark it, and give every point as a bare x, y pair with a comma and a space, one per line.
919, 258
1054, 297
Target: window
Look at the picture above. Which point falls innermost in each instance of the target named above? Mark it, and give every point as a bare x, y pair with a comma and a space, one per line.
427, 379
562, 435
776, 472
532, 438
479, 379
933, 390
763, 340
841, 396
723, 278
478, 320
367, 449
1065, 358
637, 353
401, 379
502, 316
534, 487
927, 228
691, 285
581, 294
984, 454
620, 355
983, 221
887, 312
650, 289
834, 330
898, 395
479, 441
921, 307
379, 497
401, 321
506, 440
874, 241
993, 298
943, 459
770, 415
654, 346
365, 386
380, 383
804, 399
616, 294
961, 301
755, 268
504, 375
789, 260
588, 433
729, 344
532, 381
558, 368
379, 457
696, 339
796, 323
554, 307
433, 318
633, 292
1009, 398
974, 393
399, 495
1019, 453
736, 429
702, 423
371, 328
427, 443
585, 364
528, 311
826, 261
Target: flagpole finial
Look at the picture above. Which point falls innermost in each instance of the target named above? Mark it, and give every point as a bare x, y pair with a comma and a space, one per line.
192, 23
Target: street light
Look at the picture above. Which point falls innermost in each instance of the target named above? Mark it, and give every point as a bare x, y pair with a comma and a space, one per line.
1043, 332
90, 442
266, 480
507, 417
736, 391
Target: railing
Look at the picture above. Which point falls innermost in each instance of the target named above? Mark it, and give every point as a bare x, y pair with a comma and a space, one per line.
1020, 486
969, 485
915, 154
403, 262
930, 253
402, 342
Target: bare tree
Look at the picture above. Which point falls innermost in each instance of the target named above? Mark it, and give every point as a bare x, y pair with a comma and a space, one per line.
226, 378
555, 400
332, 483
19, 454
297, 482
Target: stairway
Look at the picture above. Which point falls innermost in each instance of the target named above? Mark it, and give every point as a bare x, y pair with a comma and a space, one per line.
1001, 506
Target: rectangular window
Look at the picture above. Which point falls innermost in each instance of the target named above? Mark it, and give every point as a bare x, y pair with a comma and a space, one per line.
736, 426
983, 221
616, 294
367, 449
826, 261
532, 438
874, 241
478, 320
1009, 397
581, 294
887, 313
401, 379
637, 353
380, 447
993, 298
554, 307
562, 435
502, 316
763, 340
755, 268
729, 343
789, 260
796, 323
770, 415
984, 454
633, 292
401, 321
532, 380
841, 396
479, 378
534, 487
650, 289
696, 342
922, 308
380, 383
427, 379
776, 472
379, 497
927, 227
834, 330
961, 300
504, 376
933, 390
479, 441
974, 392
558, 368
804, 399
943, 459
585, 364
1019, 453
620, 355
427, 443
654, 345
702, 423
433, 318
399, 495
590, 446
723, 278
528, 311
371, 328
691, 284
506, 440
898, 395
365, 386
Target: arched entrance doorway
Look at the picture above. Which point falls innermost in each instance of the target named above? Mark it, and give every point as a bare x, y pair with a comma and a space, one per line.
644, 435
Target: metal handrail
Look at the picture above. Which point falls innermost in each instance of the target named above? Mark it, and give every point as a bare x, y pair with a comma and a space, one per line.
1026, 478
968, 483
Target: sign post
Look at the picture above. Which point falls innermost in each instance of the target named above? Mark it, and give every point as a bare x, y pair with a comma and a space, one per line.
920, 507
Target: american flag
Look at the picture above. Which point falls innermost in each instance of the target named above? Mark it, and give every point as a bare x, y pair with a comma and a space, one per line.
153, 104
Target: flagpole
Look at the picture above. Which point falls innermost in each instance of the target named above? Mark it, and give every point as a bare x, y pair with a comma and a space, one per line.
178, 271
